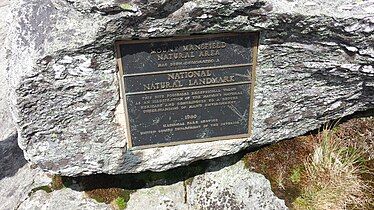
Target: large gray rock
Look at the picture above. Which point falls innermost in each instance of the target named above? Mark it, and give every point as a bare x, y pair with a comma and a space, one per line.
233, 188
18, 179
315, 63
167, 197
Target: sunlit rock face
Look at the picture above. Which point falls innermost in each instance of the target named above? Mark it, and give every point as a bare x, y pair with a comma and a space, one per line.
315, 63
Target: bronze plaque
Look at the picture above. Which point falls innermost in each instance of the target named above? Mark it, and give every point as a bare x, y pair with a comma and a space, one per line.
187, 89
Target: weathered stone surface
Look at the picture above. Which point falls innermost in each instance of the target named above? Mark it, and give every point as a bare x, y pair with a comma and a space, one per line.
159, 198
6, 124
17, 178
232, 187
315, 63
61, 200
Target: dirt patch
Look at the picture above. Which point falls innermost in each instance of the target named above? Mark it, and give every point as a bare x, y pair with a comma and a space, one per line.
108, 195
282, 163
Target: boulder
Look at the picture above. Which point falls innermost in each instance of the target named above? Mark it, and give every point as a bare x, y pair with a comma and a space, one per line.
232, 187
159, 198
315, 63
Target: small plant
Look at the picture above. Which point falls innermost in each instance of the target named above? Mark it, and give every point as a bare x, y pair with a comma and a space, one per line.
121, 203
296, 175
332, 177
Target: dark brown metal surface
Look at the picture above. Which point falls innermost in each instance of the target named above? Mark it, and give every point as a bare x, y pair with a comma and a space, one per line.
187, 89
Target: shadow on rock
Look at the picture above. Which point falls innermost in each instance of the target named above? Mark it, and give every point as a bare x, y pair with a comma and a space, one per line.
359, 114
11, 157
150, 179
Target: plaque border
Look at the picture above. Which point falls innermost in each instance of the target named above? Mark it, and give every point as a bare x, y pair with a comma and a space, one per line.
121, 70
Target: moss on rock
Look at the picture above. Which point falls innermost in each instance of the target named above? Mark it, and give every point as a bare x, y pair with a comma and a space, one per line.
45, 188
108, 195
